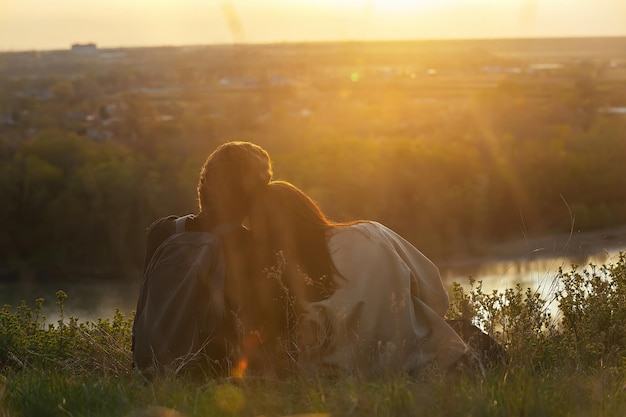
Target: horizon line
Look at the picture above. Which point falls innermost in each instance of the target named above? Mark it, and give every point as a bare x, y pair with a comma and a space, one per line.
312, 42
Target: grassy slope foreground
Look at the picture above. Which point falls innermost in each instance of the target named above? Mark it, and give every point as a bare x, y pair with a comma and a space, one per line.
571, 365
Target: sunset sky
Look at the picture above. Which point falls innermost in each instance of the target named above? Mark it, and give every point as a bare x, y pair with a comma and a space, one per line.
46, 24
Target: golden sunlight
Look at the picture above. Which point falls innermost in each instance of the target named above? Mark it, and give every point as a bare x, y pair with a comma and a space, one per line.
384, 5
33, 24
407, 4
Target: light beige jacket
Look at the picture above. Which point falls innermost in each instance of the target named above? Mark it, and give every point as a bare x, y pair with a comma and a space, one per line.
387, 314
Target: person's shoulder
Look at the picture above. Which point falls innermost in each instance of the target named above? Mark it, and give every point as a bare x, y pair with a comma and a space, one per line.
344, 231
367, 228
379, 230
372, 225
157, 233
161, 225
353, 236
367, 235
358, 248
197, 223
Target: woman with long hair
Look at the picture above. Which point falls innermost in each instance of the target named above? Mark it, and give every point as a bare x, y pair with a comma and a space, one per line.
366, 300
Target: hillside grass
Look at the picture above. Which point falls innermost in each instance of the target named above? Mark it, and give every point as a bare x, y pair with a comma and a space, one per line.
570, 365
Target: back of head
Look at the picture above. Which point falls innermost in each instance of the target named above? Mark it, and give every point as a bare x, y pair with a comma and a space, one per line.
231, 176
283, 209
283, 218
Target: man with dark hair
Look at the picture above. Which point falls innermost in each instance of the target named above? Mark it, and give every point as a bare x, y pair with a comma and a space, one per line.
230, 178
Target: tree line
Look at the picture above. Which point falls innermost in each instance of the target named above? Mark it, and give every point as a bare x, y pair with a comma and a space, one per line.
453, 174
72, 201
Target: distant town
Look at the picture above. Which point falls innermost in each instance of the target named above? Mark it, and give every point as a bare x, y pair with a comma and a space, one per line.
94, 84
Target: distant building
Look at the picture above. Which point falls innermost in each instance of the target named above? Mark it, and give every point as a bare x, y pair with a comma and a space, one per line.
84, 49
548, 67
620, 111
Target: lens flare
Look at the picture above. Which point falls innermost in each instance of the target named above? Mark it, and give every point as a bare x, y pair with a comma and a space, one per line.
240, 370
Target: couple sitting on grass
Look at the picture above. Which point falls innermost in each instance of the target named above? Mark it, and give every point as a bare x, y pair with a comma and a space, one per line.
298, 291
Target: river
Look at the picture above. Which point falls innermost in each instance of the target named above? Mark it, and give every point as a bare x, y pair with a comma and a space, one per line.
529, 264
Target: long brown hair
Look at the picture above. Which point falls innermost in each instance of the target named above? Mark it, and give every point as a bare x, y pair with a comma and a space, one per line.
283, 218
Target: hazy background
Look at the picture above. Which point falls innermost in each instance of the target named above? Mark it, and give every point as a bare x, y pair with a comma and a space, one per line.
498, 153
44, 24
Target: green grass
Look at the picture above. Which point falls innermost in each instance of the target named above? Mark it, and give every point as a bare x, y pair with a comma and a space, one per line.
498, 393
573, 365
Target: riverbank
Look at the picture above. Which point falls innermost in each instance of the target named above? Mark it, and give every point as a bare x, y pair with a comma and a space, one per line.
576, 245
571, 244
71, 273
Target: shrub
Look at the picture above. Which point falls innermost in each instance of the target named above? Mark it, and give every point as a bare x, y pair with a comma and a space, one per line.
590, 330
593, 304
518, 319
87, 348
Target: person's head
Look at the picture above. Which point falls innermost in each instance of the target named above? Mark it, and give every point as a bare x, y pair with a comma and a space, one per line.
231, 176
283, 218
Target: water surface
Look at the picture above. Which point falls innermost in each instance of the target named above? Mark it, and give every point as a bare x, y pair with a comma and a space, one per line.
90, 299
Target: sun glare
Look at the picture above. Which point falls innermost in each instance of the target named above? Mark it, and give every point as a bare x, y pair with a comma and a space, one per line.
405, 4
384, 5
